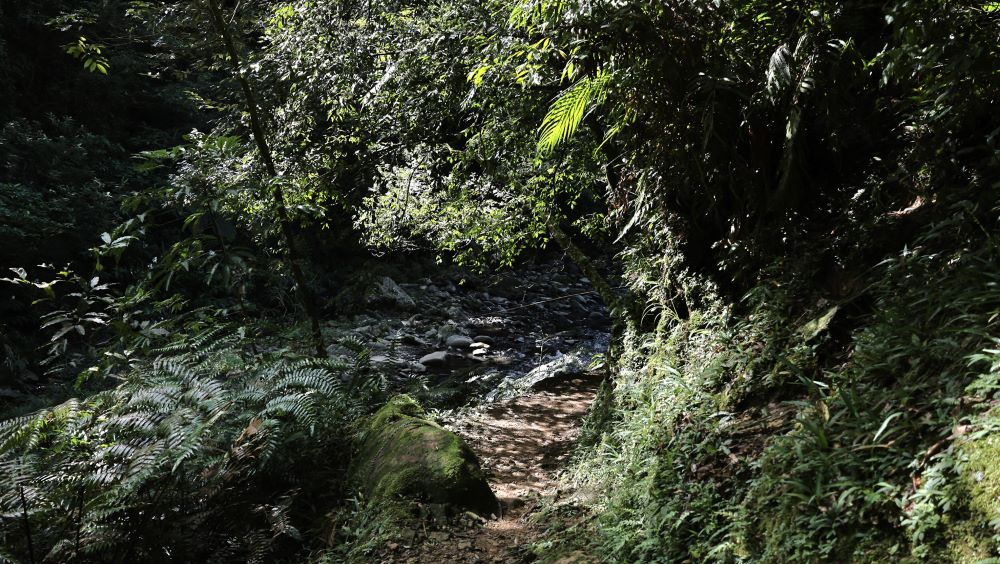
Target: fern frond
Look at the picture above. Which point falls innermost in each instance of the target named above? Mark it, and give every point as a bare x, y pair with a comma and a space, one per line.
352, 343
300, 406
779, 71
316, 378
157, 456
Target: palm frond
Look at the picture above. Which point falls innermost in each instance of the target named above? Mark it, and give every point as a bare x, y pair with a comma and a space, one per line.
569, 108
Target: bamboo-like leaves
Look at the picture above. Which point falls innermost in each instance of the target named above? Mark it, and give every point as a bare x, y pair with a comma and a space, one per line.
528, 12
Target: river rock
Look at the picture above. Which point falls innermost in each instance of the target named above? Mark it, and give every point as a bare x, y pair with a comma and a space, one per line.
488, 325
436, 359
413, 340
564, 365
458, 341
597, 319
416, 367
446, 330
385, 292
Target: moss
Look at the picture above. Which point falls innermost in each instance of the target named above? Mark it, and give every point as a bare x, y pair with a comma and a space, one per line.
981, 475
974, 539
398, 407
970, 543
404, 455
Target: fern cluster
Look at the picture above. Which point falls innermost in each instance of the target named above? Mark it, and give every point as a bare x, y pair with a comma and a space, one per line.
197, 455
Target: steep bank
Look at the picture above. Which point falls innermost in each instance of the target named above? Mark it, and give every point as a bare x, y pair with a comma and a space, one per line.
851, 425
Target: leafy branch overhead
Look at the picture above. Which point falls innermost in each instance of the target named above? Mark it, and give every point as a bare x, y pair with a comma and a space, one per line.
90, 54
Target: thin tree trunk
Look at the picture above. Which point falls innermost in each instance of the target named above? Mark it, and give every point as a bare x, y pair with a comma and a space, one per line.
27, 525
79, 521
306, 295
607, 293
621, 314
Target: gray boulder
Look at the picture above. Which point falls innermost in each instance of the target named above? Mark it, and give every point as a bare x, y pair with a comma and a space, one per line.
385, 292
436, 359
564, 365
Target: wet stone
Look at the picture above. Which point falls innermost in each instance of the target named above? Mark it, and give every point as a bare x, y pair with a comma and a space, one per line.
484, 339
437, 359
458, 341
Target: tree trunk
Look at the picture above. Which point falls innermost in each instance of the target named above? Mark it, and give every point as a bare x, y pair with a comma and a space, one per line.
306, 295
607, 293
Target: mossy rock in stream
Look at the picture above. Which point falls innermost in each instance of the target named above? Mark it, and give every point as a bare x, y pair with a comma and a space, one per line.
404, 455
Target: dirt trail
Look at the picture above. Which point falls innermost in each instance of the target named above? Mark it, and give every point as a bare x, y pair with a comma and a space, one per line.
523, 443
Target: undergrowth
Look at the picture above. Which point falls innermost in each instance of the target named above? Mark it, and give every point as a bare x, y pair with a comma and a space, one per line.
202, 453
774, 430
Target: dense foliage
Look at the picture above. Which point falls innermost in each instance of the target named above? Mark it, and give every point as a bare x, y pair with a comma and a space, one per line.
186, 459
799, 200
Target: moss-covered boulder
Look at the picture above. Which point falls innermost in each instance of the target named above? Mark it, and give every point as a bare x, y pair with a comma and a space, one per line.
404, 455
